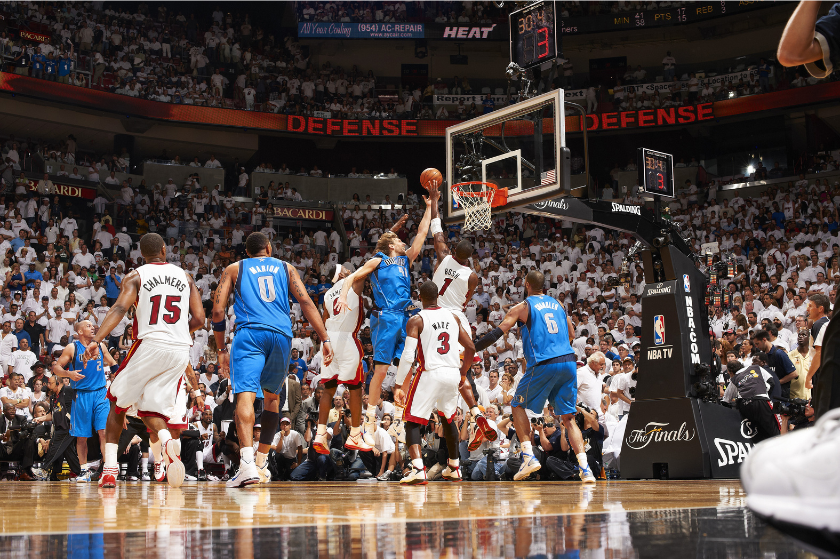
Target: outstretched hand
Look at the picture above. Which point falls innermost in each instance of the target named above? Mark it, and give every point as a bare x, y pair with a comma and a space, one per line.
91, 352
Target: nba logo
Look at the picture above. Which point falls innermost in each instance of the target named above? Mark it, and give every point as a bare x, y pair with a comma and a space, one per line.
659, 330
686, 283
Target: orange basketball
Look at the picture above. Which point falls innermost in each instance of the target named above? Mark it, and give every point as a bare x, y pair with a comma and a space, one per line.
429, 175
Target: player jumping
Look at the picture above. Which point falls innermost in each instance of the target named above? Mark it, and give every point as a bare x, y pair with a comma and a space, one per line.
457, 282
390, 273
261, 347
151, 378
346, 366
551, 374
436, 382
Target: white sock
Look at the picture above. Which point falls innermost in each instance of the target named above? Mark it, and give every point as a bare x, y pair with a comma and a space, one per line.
163, 437
454, 463
154, 451
247, 454
581, 457
355, 430
85, 466
199, 459
322, 430
475, 411
144, 464
417, 464
111, 455
261, 459
526, 448
227, 462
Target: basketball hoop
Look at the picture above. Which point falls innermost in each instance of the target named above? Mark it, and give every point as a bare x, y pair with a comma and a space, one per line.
477, 199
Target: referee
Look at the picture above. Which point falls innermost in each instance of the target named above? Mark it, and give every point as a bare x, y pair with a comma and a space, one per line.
750, 387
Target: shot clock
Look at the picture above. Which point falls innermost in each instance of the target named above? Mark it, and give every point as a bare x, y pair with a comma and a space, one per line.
533, 38
656, 172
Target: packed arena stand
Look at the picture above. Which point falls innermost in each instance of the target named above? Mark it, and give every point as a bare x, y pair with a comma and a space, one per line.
64, 260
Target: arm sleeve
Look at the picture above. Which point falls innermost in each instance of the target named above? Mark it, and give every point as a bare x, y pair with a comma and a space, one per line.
406, 360
827, 34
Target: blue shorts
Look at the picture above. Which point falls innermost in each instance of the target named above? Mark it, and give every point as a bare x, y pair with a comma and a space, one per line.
259, 360
555, 383
387, 333
89, 413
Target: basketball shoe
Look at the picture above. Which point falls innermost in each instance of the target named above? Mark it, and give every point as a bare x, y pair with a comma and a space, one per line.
529, 465
450, 473
247, 475
476, 440
586, 475
160, 470
357, 443
175, 471
415, 477
489, 432
791, 478
265, 474
320, 445
109, 477
85, 476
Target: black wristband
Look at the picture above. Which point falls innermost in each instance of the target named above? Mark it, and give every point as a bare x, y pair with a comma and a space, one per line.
488, 339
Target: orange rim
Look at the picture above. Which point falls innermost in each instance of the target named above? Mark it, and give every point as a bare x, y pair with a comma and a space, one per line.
495, 195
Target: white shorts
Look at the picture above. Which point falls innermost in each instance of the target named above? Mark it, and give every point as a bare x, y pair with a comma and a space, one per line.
346, 365
211, 457
152, 378
465, 324
430, 389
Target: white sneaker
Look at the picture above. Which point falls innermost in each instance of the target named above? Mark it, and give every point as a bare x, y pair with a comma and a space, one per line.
384, 477
450, 473
415, 477
189, 478
160, 471
83, 477
794, 477
264, 473
368, 429
175, 470
145, 476
248, 474
586, 475
357, 443
529, 465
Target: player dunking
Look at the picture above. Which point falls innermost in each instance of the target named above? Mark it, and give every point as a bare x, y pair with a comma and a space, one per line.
260, 352
436, 382
551, 373
390, 274
457, 282
346, 367
151, 378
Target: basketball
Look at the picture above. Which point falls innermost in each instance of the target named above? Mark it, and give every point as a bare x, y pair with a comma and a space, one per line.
429, 175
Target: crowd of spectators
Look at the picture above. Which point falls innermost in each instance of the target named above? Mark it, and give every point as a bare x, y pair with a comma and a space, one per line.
59, 269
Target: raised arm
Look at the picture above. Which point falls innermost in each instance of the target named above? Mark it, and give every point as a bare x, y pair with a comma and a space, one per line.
360, 273
128, 295
441, 246
423, 229
310, 311
519, 313
798, 44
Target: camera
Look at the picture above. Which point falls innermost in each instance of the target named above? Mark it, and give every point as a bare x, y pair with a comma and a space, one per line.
579, 418
790, 407
537, 421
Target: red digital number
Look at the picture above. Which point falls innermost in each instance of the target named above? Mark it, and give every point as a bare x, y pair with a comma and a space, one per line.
444, 343
661, 178
445, 285
170, 305
544, 43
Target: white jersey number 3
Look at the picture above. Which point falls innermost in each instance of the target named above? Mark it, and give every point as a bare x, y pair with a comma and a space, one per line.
550, 323
267, 293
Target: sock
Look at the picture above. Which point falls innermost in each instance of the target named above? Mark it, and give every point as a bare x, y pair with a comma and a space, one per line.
85, 467
163, 437
581, 457
475, 411
227, 463
261, 459
371, 413
154, 451
454, 463
417, 464
199, 459
355, 430
247, 454
322, 430
526, 448
111, 455
144, 464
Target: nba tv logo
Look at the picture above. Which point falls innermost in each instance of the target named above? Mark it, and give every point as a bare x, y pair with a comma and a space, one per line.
659, 330
686, 284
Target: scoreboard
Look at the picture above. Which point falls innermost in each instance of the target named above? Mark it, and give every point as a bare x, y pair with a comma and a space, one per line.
656, 172
533, 34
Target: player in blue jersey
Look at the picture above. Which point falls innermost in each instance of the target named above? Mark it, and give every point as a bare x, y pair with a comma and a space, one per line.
551, 370
262, 342
90, 404
390, 278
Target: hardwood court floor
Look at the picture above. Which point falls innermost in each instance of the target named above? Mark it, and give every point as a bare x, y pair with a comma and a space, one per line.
336, 520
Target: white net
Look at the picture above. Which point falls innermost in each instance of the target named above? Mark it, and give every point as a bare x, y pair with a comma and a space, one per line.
476, 200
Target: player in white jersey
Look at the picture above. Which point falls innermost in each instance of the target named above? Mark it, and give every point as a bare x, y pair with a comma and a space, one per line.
153, 373
346, 366
457, 282
435, 384
208, 451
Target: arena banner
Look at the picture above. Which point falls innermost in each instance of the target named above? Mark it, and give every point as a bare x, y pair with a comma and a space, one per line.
454, 100
325, 30
65, 190
122, 105
650, 88
303, 213
485, 32
32, 36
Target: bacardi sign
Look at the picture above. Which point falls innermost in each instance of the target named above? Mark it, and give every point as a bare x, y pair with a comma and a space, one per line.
304, 214
62, 189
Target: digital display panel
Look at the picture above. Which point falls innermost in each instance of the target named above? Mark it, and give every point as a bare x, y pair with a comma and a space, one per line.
533, 38
656, 170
